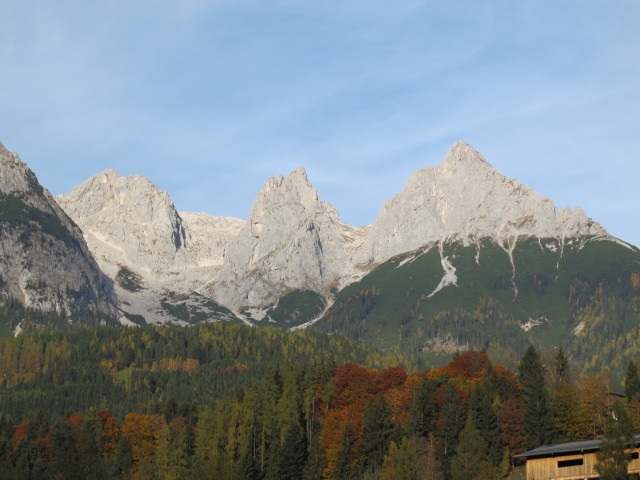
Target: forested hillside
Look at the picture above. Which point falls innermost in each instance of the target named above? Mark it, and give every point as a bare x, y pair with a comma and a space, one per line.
582, 295
233, 402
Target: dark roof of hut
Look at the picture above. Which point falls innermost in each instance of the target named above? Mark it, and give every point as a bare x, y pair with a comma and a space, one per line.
565, 449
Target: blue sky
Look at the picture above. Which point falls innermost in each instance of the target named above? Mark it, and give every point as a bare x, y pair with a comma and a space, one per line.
210, 98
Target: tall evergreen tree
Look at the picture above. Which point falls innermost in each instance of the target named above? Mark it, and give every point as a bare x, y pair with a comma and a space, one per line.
346, 457
401, 462
470, 461
423, 410
316, 462
378, 429
64, 460
124, 459
560, 369
453, 414
614, 455
290, 458
537, 401
631, 381
90, 461
29, 461
6, 455
486, 421
249, 467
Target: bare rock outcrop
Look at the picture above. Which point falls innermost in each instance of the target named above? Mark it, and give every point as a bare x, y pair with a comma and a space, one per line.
44, 260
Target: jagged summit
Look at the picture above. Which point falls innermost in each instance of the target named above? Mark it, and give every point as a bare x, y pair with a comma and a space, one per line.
133, 222
294, 188
15, 175
466, 199
463, 155
299, 173
292, 240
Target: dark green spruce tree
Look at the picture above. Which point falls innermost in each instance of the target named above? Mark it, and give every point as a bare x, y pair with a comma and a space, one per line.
6, 454
64, 458
290, 458
423, 410
249, 467
90, 462
470, 461
631, 381
316, 461
486, 421
454, 417
538, 420
560, 369
614, 456
378, 430
344, 469
124, 459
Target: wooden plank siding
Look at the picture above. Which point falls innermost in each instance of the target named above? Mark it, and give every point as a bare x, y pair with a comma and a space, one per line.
550, 468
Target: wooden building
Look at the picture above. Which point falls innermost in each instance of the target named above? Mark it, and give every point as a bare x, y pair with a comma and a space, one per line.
570, 461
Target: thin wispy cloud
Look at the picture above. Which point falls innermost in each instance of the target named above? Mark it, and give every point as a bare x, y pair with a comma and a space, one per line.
208, 98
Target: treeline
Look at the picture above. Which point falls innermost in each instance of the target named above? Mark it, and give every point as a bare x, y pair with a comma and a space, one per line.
301, 415
70, 370
13, 315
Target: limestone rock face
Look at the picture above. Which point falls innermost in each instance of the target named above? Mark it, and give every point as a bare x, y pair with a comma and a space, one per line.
44, 260
292, 240
130, 215
130, 223
466, 199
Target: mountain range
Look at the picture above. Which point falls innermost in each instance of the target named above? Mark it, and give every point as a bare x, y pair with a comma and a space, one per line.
462, 257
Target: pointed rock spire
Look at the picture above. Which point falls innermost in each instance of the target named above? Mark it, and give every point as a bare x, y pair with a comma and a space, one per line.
463, 155
292, 240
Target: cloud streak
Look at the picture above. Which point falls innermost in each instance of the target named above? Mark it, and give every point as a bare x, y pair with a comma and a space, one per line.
208, 98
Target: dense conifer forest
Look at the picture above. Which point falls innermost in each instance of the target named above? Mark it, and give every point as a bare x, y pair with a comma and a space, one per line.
233, 402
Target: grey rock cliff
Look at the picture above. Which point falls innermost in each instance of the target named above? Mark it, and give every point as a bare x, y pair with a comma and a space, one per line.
130, 223
466, 199
292, 240
44, 261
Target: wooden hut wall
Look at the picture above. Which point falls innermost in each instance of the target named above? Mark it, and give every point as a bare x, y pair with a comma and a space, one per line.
564, 467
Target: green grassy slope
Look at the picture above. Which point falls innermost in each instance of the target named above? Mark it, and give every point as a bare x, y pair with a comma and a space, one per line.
295, 308
592, 288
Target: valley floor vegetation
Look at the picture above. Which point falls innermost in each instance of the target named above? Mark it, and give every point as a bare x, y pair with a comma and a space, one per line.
233, 402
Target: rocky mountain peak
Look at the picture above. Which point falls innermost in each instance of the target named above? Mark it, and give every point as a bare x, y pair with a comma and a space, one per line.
466, 199
108, 175
462, 156
295, 188
44, 261
292, 240
133, 226
15, 175
128, 215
